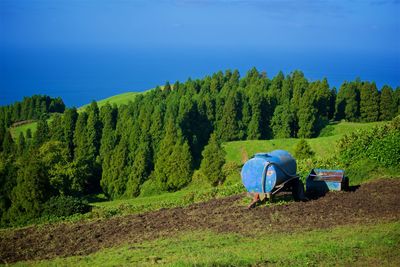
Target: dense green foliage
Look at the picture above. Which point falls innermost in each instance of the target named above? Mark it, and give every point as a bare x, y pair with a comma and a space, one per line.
155, 142
380, 145
62, 206
213, 161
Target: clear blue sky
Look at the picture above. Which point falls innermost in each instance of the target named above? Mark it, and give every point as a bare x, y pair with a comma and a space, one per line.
54, 47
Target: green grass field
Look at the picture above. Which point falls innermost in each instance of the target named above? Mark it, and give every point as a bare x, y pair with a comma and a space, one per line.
15, 131
355, 245
323, 146
120, 99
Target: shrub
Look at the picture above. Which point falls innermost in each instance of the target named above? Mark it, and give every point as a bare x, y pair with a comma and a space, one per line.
303, 150
61, 206
150, 188
379, 144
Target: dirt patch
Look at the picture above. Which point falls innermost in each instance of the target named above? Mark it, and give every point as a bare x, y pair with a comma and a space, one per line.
372, 202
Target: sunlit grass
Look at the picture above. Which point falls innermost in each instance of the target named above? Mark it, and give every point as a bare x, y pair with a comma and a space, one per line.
360, 245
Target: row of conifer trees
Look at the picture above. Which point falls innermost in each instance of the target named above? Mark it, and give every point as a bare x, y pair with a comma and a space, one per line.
154, 143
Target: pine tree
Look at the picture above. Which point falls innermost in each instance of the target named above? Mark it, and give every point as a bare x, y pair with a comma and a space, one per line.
115, 178
81, 156
369, 102
161, 168
42, 133
282, 122
140, 169
80, 137
28, 133
93, 131
254, 127
69, 119
31, 191
213, 160
228, 126
108, 142
56, 128
179, 166
21, 144
2, 132
352, 96
307, 115
8, 143
387, 104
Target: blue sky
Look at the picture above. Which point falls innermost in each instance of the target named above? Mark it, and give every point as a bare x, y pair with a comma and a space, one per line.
309, 30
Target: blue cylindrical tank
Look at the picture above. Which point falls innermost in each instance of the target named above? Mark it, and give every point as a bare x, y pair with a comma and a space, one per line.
265, 171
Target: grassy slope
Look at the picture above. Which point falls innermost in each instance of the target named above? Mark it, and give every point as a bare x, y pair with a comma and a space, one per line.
360, 245
323, 146
120, 99
15, 131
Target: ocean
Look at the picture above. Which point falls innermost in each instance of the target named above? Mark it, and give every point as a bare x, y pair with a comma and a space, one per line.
79, 76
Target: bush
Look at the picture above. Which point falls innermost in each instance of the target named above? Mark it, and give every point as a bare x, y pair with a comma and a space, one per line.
231, 171
150, 188
303, 150
379, 144
61, 206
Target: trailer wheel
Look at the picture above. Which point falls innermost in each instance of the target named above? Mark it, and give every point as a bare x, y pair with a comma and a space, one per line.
298, 190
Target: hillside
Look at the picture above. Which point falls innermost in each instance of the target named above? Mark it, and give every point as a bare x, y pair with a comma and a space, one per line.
323, 146
343, 228
119, 99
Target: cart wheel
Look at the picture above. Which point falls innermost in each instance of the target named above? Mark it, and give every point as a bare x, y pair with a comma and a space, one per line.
298, 190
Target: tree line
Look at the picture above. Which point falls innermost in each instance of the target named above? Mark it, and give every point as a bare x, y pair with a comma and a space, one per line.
30, 108
154, 143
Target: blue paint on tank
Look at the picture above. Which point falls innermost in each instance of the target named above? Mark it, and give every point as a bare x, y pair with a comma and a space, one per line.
265, 171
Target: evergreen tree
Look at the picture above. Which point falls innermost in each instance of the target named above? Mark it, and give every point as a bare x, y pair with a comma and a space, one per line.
80, 135
282, 122
31, 191
307, 115
369, 102
69, 119
396, 98
157, 127
108, 142
161, 168
2, 132
56, 128
228, 126
179, 166
115, 178
387, 104
28, 133
254, 127
140, 169
8, 143
53, 156
42, 133
21, 144
347, 102
93, 131
352, 95
213, 160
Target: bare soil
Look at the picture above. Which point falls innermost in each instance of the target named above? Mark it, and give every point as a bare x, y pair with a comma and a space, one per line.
376, 201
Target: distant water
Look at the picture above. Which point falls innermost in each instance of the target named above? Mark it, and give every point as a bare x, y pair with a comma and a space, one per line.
79, 76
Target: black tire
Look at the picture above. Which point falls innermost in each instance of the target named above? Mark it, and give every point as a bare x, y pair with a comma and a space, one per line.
298, 190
